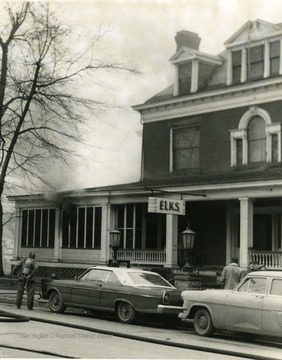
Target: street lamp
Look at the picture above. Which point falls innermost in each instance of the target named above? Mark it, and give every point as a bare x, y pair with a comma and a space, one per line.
188, 237
115, 244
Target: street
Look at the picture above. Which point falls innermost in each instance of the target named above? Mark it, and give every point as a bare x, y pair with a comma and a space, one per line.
79, 335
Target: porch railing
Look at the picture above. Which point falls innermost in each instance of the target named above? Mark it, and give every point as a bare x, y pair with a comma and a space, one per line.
153, 257
271, 259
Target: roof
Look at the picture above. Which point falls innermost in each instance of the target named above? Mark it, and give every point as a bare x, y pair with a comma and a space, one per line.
253, 31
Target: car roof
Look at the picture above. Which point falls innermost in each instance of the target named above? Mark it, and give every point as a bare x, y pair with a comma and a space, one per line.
268, 273
125, 279
122, 270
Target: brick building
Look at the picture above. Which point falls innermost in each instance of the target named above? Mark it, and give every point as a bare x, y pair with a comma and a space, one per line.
213, 140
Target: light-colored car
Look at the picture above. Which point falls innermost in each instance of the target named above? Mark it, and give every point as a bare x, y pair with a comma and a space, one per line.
124, 291
254, 307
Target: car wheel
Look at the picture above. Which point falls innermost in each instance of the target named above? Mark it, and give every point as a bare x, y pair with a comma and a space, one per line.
203, 323
126, 313
56, 303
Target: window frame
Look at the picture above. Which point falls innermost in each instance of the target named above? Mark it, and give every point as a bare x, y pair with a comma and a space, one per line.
172, 147
269, 56
241, 133
34, 236
75, 233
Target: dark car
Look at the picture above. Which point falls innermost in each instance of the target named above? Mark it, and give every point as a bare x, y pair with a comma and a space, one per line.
124, 291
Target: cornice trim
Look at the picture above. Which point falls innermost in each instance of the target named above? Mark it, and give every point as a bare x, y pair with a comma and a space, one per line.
228, 98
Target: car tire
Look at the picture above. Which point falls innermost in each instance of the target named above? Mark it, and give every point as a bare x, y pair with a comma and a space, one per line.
56, 303
203, 323
126, 313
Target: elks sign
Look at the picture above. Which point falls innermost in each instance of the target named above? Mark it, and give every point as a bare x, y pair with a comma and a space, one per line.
166, 206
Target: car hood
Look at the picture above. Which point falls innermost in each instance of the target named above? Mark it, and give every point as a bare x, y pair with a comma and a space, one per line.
208, 293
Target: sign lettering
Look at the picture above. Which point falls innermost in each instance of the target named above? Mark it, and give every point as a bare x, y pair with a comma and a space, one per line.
166, 206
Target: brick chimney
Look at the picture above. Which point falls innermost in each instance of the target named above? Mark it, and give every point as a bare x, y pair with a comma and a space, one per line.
187, 38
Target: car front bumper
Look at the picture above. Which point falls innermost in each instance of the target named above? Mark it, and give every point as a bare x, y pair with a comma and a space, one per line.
170, 309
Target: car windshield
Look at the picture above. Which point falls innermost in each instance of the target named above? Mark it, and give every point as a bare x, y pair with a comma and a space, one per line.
146, 279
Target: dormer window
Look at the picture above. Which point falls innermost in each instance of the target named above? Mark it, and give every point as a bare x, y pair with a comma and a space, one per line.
274, 57
185, 76
192, 67
255, 62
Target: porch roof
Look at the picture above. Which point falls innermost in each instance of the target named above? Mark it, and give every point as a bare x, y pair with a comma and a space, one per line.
148, 186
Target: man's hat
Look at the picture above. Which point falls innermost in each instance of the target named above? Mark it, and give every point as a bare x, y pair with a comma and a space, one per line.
31, 255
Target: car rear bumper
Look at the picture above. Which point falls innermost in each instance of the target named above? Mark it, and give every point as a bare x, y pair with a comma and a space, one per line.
170, 309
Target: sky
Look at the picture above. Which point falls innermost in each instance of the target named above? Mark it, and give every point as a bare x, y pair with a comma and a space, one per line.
142, 33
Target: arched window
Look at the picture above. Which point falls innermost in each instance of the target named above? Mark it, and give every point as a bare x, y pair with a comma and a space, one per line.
256, 140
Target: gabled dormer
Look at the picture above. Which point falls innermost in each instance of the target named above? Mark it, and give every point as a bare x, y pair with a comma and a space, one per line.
192, 67
254, 52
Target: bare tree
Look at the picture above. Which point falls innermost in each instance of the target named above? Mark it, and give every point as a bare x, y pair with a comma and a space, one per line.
40, 110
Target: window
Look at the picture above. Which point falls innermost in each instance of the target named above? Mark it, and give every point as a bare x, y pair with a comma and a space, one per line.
274, 57
129, 223
38, 228
255, 62
185, 148
82, 227
256, 140
276, 287
236, 66
184, 76
254, 285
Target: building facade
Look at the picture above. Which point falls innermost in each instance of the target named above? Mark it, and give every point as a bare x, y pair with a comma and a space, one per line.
213, 140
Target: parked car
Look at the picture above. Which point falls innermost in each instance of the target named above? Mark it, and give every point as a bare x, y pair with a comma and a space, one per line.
254, 307
125, 291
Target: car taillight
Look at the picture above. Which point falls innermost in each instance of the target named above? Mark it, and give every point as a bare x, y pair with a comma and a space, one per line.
166, 298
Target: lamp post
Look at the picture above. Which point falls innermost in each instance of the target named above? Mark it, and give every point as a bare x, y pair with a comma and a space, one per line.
115, 244
188, 237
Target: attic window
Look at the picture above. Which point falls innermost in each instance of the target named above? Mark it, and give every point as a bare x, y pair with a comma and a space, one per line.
184, 77
274, 58
255, 62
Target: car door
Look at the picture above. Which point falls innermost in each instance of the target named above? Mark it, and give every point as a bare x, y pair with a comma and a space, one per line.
243, 307
111, 289
272, 309
86, 290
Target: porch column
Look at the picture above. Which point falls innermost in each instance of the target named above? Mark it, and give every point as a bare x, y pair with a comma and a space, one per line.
17, 243
105, 229
246, 230
58, 234
229, 242
171, 240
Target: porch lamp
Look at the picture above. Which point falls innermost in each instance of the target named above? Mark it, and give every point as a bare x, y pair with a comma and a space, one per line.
188, 237
115, 236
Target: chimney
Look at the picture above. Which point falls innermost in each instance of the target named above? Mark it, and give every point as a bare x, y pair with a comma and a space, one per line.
187, 38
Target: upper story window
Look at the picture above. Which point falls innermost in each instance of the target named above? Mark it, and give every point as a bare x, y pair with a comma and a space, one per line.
256, 140
185, 75
255, 62
274, 57
38, 228
185, 148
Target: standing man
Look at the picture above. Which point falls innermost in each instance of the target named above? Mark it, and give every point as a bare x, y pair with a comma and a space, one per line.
231, 274
27, 280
